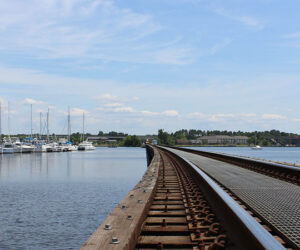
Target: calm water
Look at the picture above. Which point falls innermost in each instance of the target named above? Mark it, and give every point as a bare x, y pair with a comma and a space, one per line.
56, 200
282, 154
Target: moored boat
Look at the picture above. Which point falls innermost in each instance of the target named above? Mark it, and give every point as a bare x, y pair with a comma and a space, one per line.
7, 148
86, 145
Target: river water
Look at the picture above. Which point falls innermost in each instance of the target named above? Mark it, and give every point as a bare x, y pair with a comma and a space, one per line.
56, 200
280, 154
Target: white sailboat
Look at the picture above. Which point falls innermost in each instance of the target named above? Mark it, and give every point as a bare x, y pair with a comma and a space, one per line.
256, 147
85, 145
7, 146
20, 147
49, 146
40, 145
66, 144
0, 128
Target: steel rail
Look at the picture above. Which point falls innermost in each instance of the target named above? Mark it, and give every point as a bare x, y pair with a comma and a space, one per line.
175, 206
241, 226
276, 170
263, 237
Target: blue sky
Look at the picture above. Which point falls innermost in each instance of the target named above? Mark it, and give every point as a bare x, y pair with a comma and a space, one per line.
140, 65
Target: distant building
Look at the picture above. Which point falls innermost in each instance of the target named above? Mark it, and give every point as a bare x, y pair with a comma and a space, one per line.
105, 139
221, 139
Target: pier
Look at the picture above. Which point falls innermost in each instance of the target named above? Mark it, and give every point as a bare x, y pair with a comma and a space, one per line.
190, 199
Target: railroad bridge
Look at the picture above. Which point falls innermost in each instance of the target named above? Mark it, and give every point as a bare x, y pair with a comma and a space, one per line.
190, 199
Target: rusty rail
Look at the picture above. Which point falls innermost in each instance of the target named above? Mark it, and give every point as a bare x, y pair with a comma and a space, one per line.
280, 171
190, 211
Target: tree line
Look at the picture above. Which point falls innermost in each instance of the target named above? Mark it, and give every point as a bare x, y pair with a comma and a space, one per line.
183, 137
263, 138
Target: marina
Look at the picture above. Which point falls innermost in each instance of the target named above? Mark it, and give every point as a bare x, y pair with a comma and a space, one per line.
41, 143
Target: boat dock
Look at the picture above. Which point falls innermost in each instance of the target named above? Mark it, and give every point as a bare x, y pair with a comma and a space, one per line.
190, 199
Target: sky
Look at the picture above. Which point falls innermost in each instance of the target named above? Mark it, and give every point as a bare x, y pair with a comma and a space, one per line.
136, 66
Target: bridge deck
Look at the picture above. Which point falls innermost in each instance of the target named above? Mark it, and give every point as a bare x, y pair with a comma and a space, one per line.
276, 201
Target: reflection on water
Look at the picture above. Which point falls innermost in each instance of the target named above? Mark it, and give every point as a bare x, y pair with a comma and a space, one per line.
56, 200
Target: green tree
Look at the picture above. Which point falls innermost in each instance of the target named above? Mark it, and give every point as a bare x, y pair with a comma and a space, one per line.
165, 138
131, 141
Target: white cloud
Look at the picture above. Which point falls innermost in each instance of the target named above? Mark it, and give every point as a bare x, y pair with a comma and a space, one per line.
248, 115
221, 117
135, 98
146, 112
128, 109
93, 29
32, 101
198, 115
273, 117
114, 104
106, 97
293, 35
124, 109
78, 112
246, 20
114, 100
170, 113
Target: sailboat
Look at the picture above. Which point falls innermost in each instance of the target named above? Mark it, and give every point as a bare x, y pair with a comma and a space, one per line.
256, 147
68, 143
85, 145
25, 146
0, 129
40, 144
20, 147
7, 146
44, 145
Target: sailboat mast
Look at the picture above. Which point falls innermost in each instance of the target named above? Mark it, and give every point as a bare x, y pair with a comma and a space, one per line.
8, 121
48, 125
83, 126
69, 124
40, 125
0, 124
31, 121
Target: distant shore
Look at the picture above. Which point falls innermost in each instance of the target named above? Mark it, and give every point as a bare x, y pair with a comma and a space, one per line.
226, 146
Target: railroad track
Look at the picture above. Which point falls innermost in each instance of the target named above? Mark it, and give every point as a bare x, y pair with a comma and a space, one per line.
181, 217
177, 206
